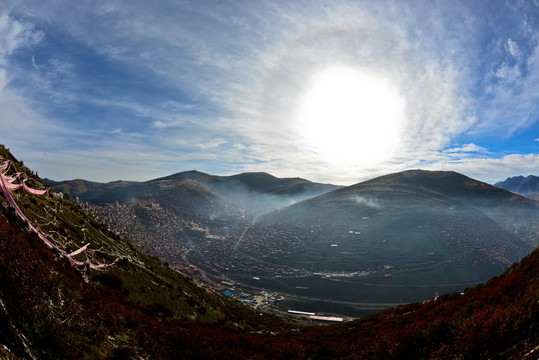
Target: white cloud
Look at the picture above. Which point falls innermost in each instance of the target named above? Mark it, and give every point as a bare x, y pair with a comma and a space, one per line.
159, 124
258, 83
15, 34
514, 102
467, 148
513, 48
508, 73
3, 79
213, 143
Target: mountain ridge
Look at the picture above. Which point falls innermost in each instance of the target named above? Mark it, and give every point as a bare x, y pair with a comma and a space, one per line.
414, 228
519, 184
448, 184
254, 192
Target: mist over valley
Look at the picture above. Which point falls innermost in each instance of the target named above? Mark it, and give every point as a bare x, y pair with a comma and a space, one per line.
353, 250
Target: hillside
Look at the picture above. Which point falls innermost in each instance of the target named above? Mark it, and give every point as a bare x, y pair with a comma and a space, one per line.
139, 308
399, 238
78, 186
195, 198
254, 181
416, 191
497, 320
169, 217
53, 305
396, 239
252, 193
514, 212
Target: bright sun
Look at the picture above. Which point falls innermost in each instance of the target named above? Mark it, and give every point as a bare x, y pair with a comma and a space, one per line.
349, 116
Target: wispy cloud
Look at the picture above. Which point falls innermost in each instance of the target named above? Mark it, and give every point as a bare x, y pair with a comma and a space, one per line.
15, 34
467, 148
217, 85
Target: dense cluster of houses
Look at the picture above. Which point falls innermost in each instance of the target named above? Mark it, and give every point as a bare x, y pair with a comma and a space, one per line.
467, 236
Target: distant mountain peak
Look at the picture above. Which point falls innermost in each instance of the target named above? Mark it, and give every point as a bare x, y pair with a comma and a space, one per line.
520, 184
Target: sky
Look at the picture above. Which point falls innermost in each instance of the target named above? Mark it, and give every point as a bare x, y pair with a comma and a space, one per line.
331, 91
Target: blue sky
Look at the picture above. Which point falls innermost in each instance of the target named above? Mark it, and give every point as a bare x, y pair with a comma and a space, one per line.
332, 91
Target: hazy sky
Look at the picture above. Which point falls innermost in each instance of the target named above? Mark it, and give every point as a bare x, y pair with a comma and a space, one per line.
332, 91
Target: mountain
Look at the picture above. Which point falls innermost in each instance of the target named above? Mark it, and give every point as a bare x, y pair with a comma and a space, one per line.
418, 191
253, 193
78, 186
513, 211
266, 183
140, 308
254, 181
186, 197
167, 216
398, 238
520, 184
257, 192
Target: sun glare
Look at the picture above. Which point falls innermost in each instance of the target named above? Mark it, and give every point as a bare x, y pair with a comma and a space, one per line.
349, 116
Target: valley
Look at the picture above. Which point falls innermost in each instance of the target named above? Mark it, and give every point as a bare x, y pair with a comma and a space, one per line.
351, 251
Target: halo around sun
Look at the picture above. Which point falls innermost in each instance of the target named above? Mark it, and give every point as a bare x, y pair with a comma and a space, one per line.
346, 115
